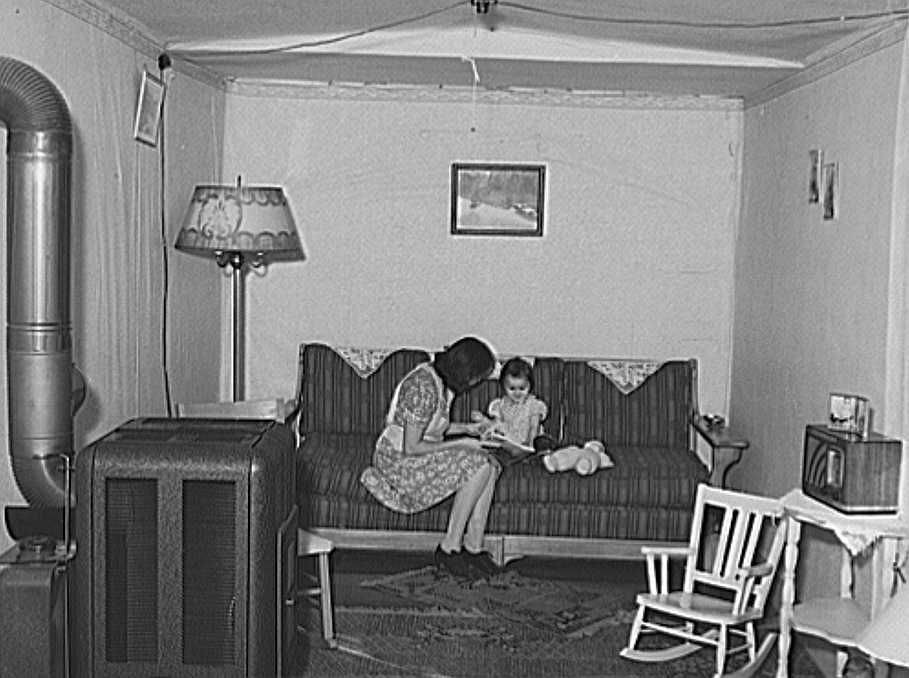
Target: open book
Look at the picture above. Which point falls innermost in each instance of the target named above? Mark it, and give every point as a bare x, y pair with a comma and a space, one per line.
506, 450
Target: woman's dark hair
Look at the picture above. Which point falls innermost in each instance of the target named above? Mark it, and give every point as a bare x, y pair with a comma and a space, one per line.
463, 363
516, 368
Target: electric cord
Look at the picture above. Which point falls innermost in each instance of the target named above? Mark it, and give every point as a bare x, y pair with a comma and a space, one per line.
187, 54
682, 23
319, 43
163, 64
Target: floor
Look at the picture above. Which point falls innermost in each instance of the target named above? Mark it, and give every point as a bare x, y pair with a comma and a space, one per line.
350, 568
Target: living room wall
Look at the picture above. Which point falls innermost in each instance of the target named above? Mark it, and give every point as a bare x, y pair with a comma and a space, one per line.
812, 295
637, 252
815, 299
117, 268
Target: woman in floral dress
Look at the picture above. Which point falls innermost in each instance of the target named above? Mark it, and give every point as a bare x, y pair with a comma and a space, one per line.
421, 457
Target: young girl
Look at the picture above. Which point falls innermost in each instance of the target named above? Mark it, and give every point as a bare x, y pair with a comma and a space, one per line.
518, 413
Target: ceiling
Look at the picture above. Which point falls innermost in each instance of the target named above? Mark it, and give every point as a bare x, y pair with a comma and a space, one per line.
723, 48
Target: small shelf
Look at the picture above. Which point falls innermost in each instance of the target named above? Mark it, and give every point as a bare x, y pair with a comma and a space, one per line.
837, 620
277, 409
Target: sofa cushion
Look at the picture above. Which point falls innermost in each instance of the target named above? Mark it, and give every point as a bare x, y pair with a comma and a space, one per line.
642, 476
647, 495
335, 397
547, 378
656, 414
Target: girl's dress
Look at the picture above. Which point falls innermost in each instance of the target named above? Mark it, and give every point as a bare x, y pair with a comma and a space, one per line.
411, 483
514, 419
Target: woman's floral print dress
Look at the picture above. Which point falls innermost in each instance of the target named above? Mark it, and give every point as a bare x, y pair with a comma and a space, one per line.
412, 483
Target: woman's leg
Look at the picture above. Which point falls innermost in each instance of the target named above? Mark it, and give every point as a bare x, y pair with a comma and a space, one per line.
476, 526
465, 501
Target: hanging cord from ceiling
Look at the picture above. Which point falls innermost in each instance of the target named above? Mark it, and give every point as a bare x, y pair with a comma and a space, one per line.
482, 7
476, 83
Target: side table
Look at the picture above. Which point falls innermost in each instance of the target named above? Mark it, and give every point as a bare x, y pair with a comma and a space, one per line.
725, 449
836, 619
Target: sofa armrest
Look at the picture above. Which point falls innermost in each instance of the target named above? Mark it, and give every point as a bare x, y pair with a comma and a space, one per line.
725, 448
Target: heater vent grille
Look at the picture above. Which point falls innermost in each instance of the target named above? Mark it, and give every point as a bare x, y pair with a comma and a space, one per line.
131, 567
210, 596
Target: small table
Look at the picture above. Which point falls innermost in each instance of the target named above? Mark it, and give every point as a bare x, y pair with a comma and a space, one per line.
725, 450
836, 619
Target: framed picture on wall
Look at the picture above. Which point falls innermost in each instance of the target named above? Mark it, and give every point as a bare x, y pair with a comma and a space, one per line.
497, 199
831, 191
148, 109
815, 160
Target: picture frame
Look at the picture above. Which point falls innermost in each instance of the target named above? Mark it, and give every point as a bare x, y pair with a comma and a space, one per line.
498, 199
148, 109
830, 185
848, 413
815, 168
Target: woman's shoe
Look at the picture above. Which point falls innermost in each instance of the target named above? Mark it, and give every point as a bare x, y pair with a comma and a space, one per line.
481, 563
453, 563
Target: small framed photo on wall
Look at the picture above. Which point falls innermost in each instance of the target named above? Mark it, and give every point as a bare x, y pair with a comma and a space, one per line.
831, 190
148, 109
815, 160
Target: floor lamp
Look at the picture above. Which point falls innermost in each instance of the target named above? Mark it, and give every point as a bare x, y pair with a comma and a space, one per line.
242, 227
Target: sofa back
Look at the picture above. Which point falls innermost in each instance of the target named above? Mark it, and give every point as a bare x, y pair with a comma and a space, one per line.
655, 413
337, 397
584, 404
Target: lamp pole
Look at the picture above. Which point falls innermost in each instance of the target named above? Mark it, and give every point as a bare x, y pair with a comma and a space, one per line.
238, 324
237, 262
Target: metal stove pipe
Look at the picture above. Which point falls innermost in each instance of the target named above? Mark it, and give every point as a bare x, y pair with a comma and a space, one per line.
39, 341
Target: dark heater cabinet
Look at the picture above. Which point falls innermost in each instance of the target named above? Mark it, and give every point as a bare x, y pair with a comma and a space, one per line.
851, 473
186, 533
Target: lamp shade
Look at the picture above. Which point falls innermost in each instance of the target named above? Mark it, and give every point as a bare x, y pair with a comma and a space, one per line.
887, 636
254, 222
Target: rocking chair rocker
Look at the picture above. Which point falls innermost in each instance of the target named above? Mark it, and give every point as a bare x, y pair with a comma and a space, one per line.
730, 561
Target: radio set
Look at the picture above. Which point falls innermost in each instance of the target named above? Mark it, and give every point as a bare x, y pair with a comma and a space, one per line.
850, 472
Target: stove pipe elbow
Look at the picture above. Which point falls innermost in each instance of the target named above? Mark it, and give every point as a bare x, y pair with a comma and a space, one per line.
39, 333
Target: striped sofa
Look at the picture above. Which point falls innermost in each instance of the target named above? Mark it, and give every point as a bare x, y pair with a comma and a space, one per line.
644, 418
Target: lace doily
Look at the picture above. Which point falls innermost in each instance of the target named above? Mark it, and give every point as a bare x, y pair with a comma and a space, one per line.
364, 361
626, 375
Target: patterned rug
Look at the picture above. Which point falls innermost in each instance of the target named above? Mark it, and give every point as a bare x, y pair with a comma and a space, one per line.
516, 626
569, 608
389, 642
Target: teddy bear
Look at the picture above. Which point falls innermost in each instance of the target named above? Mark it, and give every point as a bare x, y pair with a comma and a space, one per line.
583, 460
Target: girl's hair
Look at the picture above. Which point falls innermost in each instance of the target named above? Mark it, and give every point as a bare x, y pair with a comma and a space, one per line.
465, 361
517, 368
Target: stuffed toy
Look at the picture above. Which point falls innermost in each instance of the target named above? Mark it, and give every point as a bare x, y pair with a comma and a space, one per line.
583, 460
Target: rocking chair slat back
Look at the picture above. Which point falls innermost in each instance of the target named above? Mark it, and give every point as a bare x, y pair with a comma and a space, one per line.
731, 533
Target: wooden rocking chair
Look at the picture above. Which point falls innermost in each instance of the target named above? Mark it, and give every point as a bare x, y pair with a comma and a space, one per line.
730, 561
